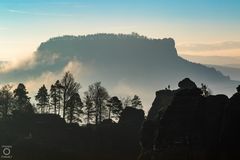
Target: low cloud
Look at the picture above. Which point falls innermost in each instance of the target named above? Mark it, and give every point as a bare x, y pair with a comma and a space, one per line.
48, 78
203, 47
24, 62
49, 60
74, 67
122, 89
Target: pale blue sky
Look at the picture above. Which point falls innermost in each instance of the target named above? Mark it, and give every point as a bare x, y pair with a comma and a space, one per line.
24, 24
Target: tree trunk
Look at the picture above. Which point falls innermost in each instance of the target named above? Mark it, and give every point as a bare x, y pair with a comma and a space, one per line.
96, 115
88, 116
64, 104
100, 113
59, 100
109, 113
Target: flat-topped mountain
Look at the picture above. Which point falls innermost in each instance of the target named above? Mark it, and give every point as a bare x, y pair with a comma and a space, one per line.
127, 53
123, 62
131, 57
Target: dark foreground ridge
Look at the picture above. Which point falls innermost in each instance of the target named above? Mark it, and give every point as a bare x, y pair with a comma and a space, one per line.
187, 124
48, 137
183, 124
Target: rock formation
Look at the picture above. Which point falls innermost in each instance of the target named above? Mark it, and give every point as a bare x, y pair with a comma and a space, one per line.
192, 126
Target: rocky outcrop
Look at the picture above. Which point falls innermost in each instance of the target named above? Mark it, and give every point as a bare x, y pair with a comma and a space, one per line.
193, 127
212, 119
179, 120
231, 129
132, 116
187, 84
162, 100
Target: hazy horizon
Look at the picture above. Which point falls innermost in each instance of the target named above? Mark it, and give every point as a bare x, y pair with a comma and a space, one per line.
200, 29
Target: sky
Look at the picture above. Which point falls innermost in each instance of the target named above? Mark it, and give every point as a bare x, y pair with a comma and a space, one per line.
199, 27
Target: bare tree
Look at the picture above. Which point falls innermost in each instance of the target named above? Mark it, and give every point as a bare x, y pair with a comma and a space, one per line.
70, 87
115, 107
126, 101
99, 97
74, 108
56, 96
89, 108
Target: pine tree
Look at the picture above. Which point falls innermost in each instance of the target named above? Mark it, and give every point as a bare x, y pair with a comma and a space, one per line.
56, 96
74, 108
115, 107
59, 92
21, 98
89, 108
136, 102
6, 101
43, 99
53, 96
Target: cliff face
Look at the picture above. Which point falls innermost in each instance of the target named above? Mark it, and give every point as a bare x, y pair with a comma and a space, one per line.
160, 104
192, 125
164, 98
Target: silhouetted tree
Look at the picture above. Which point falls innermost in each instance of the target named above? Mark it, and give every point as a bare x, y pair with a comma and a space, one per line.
206, 91
126, 101
6, 100
59, 94
43, 98
70, 87
115, 107
56, 96
21, 98
74, 108
89, 108
29, 108
136, 102
168, 87
99, 97
238, 89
